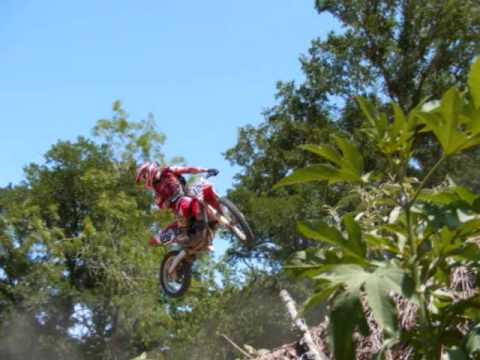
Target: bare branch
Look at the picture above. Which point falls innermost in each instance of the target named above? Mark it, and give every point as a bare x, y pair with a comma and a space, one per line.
302, 326
230, 341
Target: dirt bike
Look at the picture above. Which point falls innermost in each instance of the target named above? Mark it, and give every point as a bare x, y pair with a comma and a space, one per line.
217, 212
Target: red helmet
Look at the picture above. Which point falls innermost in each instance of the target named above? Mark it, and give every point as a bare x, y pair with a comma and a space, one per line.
147, 172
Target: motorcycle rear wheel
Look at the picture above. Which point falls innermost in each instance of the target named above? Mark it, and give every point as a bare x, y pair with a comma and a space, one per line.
176, 284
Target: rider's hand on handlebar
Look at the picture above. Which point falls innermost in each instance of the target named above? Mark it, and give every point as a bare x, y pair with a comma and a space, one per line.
212, 172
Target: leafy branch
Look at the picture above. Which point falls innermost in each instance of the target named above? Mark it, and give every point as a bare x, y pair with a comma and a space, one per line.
358, 274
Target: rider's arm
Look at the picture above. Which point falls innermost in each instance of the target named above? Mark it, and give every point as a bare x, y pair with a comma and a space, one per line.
179, 170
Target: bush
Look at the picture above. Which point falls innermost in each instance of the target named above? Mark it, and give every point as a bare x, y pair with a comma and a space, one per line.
400, 271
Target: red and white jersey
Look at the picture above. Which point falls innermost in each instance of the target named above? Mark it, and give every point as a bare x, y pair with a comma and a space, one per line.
168, 185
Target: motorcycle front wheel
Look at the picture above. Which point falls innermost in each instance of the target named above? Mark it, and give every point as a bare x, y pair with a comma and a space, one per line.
237, 219
177, 283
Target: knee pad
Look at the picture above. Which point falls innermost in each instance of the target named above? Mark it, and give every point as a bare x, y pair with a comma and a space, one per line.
184, 207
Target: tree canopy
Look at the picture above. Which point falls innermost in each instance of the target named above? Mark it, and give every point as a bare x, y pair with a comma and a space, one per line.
78, 280
402, 51
76, 273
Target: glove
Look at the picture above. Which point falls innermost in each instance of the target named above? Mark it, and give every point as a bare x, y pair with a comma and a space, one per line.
212, 172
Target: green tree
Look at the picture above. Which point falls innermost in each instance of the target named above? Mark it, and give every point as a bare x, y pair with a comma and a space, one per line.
416, 253
403, 51
75, 265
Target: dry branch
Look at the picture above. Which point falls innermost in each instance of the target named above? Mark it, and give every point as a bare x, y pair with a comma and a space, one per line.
307, 339
230, 341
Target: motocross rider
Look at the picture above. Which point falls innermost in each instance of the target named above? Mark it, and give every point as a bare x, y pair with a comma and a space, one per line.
167, 183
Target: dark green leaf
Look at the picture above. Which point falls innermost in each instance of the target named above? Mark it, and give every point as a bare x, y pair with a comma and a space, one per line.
455, 353
330, 235
473, 340
466, 195
381, 304
450, 108
324, 151
367, 109
354, 234
349, 275
438, 197
347, 313
399, 121
319, 297
352, 159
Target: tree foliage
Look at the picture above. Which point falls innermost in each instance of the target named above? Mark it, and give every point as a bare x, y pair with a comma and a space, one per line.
78, 280
428, 236
74, 263
76, 277
388, 50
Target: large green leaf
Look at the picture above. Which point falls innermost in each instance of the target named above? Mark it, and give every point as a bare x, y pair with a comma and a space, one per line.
443, 123
396, 279
322, 232
330, 235
376, 242
469, 251
354, 234
455, 353
451, 106
319, 297
381, 304
325, 151
346, 166
399, 120
352, 160
307, 271
473, 340
311, 173
346, 315
377, 286
351, 276
474, 82
454, 125
368, 110
444, 241
438, 197
466, 195
390, 137
470, 228
354, 276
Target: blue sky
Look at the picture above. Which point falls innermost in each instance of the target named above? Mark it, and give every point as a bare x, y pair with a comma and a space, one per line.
203, 68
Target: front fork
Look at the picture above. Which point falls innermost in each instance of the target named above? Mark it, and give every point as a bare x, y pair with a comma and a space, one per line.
177, 261
225, 222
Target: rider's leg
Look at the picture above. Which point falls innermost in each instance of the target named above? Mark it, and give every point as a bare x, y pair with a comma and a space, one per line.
182, 209
200, 223
197, 213
183, 212
188, 208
